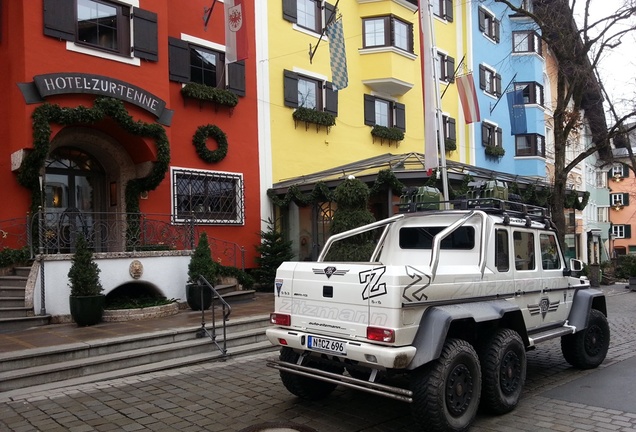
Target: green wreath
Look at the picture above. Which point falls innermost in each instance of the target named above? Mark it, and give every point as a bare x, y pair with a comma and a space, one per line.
201, 136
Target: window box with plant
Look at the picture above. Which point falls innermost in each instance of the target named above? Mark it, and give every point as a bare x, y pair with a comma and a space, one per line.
450, 145
207, 93
390, 134
494, 151
319, 118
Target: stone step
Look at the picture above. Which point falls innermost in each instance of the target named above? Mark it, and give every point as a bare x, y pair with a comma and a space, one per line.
10, 302
22, 271
11, 291
8, 325
14, 312
237, 351
195, 349
239, 295
13, 281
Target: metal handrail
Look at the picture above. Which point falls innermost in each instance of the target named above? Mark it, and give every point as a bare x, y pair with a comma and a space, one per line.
227, 310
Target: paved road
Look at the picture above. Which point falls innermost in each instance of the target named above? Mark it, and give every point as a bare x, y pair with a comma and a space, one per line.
242, 392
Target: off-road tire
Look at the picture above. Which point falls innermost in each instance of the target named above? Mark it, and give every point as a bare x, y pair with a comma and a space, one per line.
587, 348
503, 371
301, 386
446, 391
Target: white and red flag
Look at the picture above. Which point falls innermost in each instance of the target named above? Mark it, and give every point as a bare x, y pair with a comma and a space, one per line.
468, 97
235, 31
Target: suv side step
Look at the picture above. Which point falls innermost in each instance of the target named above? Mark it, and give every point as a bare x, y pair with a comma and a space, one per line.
551, 334
347, 381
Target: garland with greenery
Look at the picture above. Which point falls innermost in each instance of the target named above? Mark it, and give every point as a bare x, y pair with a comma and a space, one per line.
211, 94
387, 133
44, 115
199, 140
313, 116
321, 193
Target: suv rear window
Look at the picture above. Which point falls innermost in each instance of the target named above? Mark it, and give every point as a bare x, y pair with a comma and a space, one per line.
462, 238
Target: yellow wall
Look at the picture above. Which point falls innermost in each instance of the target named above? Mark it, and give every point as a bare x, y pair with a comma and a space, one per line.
297, 151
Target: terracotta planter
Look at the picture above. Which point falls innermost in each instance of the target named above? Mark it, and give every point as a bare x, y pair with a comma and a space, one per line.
194, 298
87, 310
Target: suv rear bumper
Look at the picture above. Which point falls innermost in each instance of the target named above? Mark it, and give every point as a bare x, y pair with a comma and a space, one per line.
372, 355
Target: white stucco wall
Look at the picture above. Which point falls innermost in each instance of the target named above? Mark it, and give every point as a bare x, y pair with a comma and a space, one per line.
165, 271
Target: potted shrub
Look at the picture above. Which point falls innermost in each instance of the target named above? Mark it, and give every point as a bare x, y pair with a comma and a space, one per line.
86, 300
199, 297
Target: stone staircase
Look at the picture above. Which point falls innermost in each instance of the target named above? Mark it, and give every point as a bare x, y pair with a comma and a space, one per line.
42, 369
14, 314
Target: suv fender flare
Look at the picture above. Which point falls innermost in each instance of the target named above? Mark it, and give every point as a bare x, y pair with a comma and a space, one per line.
583, 301
436, 322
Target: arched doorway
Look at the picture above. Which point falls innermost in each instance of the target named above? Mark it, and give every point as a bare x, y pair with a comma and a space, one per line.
75, 193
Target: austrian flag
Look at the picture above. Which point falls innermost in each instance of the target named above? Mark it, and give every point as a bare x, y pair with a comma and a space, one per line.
235, 31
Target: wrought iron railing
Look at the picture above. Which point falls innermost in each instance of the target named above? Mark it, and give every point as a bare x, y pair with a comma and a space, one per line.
50, 232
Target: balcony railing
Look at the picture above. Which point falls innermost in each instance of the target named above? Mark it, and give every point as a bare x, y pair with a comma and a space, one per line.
51, 232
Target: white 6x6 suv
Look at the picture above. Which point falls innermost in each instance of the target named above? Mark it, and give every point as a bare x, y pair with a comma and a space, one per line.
449, 299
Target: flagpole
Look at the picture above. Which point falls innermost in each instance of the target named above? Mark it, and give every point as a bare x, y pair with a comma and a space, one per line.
428, 55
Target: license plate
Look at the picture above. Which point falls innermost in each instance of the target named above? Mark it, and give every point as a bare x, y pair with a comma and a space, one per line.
328, 345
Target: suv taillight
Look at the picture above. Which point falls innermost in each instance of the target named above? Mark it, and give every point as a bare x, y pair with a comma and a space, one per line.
380, 334
280, 319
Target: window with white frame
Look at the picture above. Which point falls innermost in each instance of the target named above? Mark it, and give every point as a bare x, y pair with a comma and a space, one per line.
491, 135
601, 179
488, 24
526, 42
208, 197
304, 91
103, 28
311, 15
621, 231
532, 92
443, 9
489, 81
530, 145
619, 171
602, 214
384, 112
446, 67
387, 31
619, 199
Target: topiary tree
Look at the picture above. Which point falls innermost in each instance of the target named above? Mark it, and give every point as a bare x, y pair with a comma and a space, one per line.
83, 276
201, 262
352, 197
272, 252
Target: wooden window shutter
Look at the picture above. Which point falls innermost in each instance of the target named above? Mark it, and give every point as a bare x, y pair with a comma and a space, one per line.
497, 30
59, 19
482, 77
448, 10
450, 69
145, 28
485, 134
331, 100
627, 229
369, 110
178, 60
291, 89
452, 133
236, 77
289, 11
497, 85
482, 20
625, 199
499, 137
625, 170
400, 116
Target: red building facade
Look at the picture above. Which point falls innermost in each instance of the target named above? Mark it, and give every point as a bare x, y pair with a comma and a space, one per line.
105, 116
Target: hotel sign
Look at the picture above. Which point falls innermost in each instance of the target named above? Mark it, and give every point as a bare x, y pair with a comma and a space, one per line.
68, 83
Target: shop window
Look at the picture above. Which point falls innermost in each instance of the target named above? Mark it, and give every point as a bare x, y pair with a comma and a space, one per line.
312, 15
208, 197
489, 24
489, 81
103, 26
530, 145
384, 112
443, 9
302, 91
387, 31
192, 63
525, 42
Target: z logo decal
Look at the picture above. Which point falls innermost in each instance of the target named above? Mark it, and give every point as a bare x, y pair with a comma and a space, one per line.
417, 276
371, 280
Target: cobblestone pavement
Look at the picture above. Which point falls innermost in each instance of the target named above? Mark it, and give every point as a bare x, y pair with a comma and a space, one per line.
241, 392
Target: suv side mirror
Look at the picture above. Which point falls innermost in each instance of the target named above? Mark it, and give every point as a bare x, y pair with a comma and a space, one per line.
576, 267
